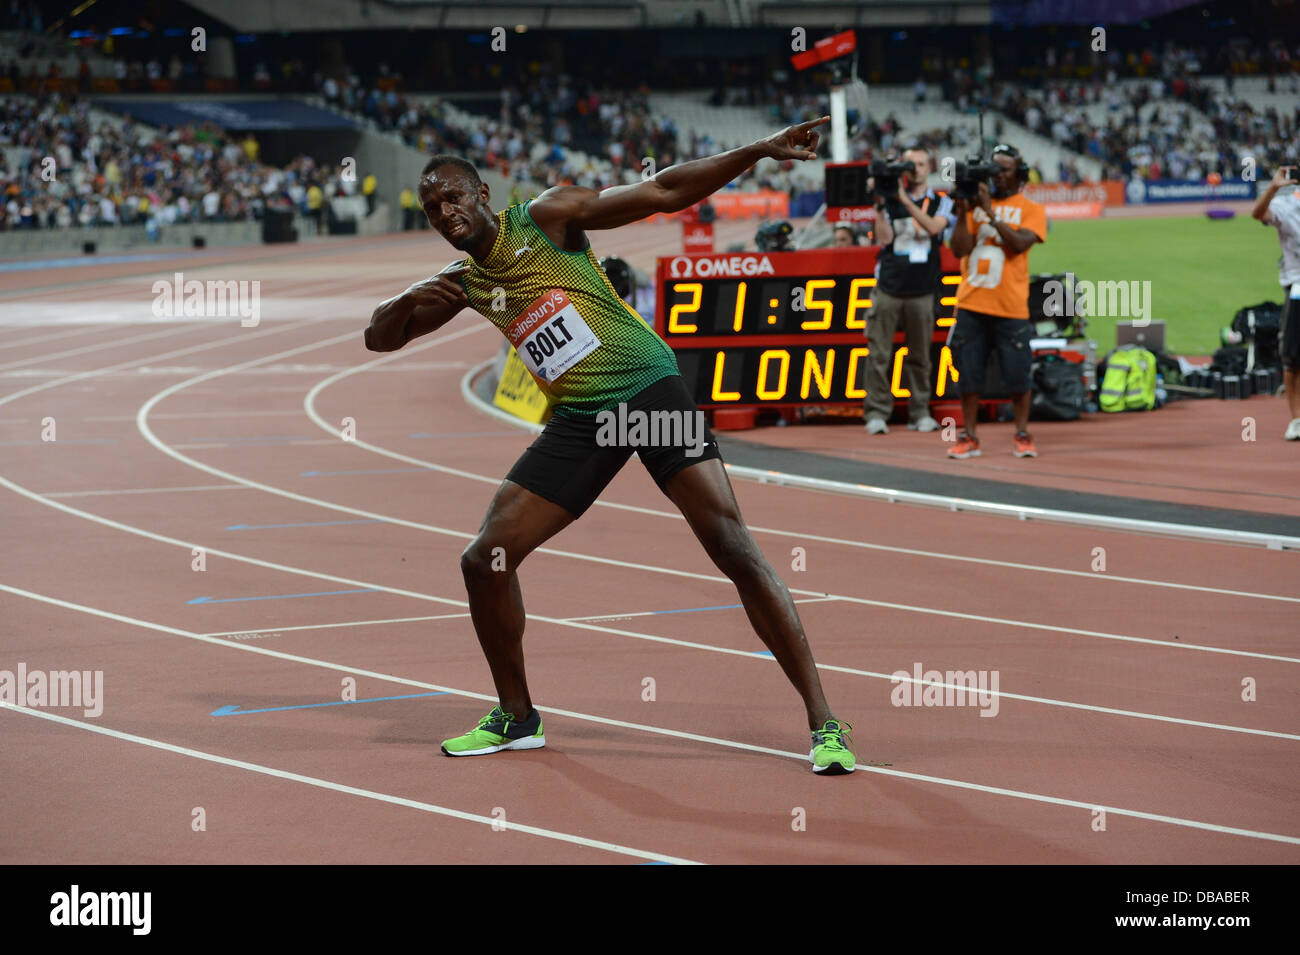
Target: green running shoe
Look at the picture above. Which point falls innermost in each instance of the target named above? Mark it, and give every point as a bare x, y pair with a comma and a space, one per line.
830, 753
497, 731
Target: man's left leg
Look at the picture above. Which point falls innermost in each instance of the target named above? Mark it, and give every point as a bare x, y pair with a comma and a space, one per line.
686, 466
1016, 358
702, 492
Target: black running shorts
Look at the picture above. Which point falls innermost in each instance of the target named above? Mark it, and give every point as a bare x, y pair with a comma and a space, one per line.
574, 459
975, 334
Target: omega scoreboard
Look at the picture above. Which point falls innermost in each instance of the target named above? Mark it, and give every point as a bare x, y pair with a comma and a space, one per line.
783, 329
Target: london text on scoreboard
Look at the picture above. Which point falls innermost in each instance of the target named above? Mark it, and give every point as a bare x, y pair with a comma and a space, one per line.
775, 329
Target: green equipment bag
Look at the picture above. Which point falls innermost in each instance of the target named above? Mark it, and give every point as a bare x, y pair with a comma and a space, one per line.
1129, 383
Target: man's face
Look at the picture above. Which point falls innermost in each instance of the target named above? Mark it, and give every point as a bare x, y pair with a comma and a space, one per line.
1006, 182
921, 174
843, 238
454, 206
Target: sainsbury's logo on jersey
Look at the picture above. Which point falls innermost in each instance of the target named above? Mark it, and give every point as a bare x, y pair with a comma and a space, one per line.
745, 264
539, 311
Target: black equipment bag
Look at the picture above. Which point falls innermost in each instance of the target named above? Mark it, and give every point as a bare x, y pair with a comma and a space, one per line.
1261, 324
1255, 321
1059, 392
1230, 360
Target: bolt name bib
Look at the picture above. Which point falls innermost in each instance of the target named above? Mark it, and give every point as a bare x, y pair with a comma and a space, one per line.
550, 336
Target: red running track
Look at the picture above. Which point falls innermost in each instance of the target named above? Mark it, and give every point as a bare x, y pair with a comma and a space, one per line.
1120, 692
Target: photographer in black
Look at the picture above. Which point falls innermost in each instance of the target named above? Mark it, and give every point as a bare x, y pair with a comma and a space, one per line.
910, 225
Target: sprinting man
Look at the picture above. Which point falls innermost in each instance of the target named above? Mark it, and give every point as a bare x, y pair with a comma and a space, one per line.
531, 272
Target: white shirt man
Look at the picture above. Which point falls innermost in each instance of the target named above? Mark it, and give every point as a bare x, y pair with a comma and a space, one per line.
1279, 206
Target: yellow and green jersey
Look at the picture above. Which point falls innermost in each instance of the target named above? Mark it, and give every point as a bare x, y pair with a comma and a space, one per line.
586, 348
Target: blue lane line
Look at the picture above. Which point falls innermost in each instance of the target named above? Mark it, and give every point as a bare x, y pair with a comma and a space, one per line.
697, 609
236, 711
259, 527
359, 471
764, 653
323, 593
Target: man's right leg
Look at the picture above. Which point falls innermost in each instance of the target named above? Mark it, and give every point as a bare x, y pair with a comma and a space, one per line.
1291, 385
881, 325
970, 412
517, 523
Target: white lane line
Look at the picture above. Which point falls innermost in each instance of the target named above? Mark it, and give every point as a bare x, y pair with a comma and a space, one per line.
149, 490
330, 626
316, 781
891, 677
1089, 519
142, 422
254, 444
98, 347
1073, 631
101, 327
309, 404
186, 415
216, 552
657, 730
655, 613
110, 369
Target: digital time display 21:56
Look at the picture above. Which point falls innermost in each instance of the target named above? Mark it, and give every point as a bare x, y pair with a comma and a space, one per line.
784, 328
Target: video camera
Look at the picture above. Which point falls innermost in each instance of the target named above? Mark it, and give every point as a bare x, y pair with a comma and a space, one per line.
886, 176
970, 174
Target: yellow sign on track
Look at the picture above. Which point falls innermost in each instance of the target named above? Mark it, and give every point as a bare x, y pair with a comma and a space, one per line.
518, 393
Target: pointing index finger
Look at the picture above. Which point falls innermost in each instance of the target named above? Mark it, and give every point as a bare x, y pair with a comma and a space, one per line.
813, 122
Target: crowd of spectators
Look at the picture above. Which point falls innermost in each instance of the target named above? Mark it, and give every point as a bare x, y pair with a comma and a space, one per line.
1176, 129
58, 168
544, 130
1168, 124
547, 129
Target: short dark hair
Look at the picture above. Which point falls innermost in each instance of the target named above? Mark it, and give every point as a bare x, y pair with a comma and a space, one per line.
918, 147
447, 159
